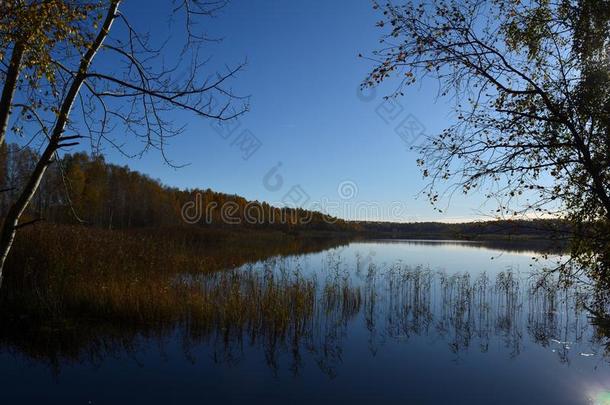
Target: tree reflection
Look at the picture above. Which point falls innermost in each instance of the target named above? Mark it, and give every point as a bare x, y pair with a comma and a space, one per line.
294, 317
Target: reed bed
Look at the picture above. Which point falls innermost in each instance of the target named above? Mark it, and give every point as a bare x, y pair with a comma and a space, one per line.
73, 292
59, 271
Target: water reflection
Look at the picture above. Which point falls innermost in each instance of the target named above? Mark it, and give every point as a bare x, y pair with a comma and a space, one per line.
530, 246
293, 308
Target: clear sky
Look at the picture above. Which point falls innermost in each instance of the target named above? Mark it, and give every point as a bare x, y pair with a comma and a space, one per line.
303, 75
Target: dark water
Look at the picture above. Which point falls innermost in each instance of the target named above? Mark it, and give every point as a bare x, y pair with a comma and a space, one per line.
391, 322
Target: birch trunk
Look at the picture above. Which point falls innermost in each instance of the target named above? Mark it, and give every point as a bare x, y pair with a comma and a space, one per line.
11, 222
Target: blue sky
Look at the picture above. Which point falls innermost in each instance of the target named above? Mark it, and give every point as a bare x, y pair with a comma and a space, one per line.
303, 75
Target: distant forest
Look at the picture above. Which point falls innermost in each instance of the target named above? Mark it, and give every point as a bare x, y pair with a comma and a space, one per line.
80, 188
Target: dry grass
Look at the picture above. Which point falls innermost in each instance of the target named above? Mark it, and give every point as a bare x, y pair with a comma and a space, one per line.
140, 275
68, 287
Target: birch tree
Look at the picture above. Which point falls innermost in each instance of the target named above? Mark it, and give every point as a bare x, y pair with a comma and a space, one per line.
56, 93
530, 81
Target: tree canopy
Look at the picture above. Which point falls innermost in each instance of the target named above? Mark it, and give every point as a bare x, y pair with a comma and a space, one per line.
531, 86
57, 94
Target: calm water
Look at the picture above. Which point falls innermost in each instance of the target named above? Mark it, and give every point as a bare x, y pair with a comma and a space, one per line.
396, 322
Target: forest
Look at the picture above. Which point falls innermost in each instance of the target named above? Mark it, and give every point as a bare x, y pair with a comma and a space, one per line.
86, 190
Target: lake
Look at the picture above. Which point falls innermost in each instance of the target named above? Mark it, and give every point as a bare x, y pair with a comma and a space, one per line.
398, 321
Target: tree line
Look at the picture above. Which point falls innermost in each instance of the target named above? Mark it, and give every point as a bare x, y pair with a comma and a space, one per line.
83, 188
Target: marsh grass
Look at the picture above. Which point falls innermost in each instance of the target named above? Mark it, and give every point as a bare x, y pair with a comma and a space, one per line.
59, 271
125, 285
75, 293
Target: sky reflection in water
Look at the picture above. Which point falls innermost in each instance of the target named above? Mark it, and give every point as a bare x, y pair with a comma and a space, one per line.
396, 321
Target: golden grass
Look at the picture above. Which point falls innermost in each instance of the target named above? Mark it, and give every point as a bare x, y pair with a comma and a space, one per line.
146, 275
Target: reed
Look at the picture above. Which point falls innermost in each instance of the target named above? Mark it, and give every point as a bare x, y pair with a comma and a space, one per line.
144, 275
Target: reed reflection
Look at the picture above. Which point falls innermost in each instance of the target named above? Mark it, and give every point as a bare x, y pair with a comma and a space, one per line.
296, 317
